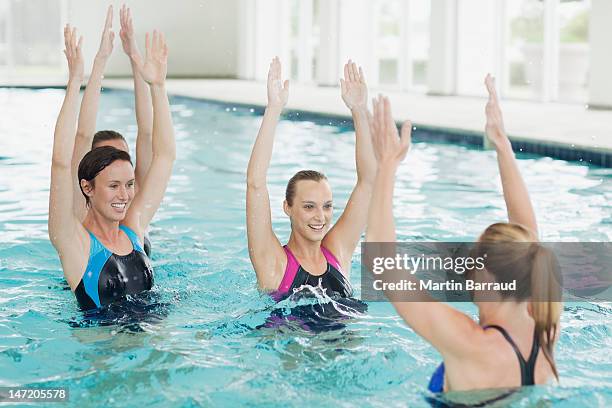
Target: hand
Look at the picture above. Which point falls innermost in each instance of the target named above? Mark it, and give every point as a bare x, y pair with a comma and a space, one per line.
389, 148
494, 127
278, 92
73, 53
128, 41
108, 36
155, 65
354, 88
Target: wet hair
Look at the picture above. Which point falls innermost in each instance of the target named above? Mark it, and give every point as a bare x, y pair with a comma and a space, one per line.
97, 160
106, 135
513, 253
299, 176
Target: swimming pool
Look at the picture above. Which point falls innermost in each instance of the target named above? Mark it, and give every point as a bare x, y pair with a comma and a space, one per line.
200, 344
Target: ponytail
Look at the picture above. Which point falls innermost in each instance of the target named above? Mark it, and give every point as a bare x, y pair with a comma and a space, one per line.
546, 306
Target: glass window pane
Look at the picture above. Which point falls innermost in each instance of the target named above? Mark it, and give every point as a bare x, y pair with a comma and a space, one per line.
525, 48
574, 50
477, 44
388, 40
419, 40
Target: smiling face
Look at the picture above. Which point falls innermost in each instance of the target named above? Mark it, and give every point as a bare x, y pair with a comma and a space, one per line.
112, 191
311, 211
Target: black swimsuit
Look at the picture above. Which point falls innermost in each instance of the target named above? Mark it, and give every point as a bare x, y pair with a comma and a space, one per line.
436, 384
333, 280
109, 277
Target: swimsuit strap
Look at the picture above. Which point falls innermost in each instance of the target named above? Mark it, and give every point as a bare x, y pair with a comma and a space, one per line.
290, 271
132, 236
330, 258
527, 367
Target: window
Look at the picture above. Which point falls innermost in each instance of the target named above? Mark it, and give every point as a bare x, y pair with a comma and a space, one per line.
31, 36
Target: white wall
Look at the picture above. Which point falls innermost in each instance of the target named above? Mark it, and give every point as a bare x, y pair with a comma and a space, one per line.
202, 35
600, 84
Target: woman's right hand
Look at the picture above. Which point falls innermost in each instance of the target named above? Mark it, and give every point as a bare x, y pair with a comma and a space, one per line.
389, 148
278, 92
73, 53
494, 127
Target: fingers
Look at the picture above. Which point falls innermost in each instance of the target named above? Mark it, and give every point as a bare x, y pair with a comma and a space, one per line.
275, 69
67, 33
147, 45
390, 127
130, 22
490, 84
108, 24
286, 85
379, 114
406, 135
354, 72
342, 86
73, 39
361, 76
346, 71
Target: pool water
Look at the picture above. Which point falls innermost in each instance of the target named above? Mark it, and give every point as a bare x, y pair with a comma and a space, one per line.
198, 340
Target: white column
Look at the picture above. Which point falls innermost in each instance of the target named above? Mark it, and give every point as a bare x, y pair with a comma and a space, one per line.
247, 37
600, 78
305, 33
271, 35
328, 64
404, 61
441, 69
356, 36
550, 66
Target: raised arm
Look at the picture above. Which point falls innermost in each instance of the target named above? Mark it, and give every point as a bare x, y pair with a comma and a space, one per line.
447, 329
142, 97
519, 206
151, 192
63, 224
89, 109
343, 238
266, 253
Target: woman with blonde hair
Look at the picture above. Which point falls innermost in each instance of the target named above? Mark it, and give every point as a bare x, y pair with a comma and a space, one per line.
513, 342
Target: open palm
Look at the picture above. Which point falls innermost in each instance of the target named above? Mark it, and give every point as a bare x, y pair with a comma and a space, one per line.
155, 65
278, 92
354, 88
73, 52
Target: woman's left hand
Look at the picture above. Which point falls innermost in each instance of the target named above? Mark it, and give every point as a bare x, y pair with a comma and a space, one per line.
108, 36
155, 64
389, 148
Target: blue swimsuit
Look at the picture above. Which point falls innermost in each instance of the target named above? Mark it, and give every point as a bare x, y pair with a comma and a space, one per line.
436, 384
109, 277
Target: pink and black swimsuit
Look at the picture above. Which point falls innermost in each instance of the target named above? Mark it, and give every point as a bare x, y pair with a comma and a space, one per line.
332, 280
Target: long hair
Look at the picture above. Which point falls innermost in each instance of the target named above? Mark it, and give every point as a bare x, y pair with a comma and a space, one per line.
513, 253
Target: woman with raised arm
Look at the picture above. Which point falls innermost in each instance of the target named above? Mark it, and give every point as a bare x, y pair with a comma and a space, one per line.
87, 137
102, 256
512, 343
315, 254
